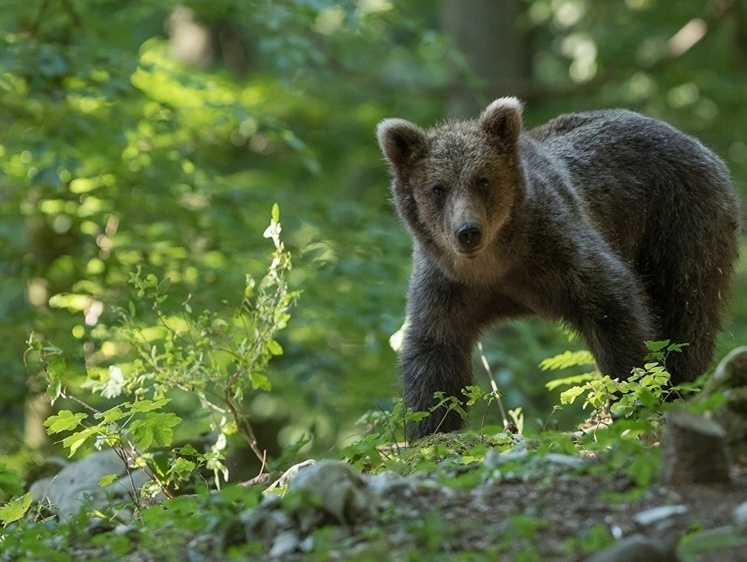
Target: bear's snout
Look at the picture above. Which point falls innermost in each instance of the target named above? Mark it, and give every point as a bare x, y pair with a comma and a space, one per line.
468, 237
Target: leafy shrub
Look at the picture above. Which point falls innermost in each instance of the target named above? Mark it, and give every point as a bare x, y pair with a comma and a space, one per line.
647, 387
210, 355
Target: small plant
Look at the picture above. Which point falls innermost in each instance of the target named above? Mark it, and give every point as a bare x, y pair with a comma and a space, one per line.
589, 540
646, 389
636, 403
384, 447
370, 452
213, 356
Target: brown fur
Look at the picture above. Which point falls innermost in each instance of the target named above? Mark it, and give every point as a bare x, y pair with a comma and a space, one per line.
615, 224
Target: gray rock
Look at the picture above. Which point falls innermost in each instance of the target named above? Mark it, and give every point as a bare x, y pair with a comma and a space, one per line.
731, 372
657, 514
712, 544
494, 458
565, 460
266, 522
281, 483
78, 483
285, 543
730, 378
739, 516
388, 484
334, 489
324, 493
636, 548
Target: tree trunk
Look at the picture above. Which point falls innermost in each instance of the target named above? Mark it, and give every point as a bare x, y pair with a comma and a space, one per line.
496, 50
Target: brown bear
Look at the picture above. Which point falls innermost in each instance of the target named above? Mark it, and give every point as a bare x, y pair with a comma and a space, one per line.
618, 225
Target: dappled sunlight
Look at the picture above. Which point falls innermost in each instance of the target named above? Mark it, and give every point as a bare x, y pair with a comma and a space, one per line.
138, 176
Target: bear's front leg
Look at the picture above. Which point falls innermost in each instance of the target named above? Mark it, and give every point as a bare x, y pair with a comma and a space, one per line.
444, 322
433, 363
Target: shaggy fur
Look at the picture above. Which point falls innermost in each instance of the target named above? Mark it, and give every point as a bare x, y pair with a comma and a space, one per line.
618, 225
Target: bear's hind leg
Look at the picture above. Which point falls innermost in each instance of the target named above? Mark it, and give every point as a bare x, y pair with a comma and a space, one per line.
690, 313
610, 310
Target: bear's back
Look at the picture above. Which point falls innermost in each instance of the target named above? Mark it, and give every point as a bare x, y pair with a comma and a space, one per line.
627, 143
640, 179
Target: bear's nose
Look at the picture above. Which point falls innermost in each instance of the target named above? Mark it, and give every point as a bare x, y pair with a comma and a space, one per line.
469, 236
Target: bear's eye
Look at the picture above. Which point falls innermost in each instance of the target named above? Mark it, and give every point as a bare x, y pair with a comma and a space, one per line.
438, 190
483, 183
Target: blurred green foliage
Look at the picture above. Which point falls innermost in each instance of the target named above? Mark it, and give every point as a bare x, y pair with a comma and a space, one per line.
116, 154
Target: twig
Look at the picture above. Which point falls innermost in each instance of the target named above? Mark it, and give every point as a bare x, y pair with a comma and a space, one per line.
66, 396
245, 428
496, 393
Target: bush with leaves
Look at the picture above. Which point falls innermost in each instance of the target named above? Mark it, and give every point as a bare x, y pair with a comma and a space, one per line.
214, 356
645, 390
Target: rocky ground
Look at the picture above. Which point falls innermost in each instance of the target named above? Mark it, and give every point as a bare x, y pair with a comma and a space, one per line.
518, 504
564, 514
503, 497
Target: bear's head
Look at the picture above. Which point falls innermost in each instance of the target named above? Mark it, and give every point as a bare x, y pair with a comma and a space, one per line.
455, 184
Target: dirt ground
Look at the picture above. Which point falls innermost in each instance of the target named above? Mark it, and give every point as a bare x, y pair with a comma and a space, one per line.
563, 518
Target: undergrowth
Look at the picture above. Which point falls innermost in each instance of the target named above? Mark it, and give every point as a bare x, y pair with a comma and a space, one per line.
220, 358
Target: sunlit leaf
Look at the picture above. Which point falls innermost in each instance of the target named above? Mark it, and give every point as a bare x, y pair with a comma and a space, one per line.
569, 396
143, 406
64, 421
570, 381
567, 359
108, 479
154, 428
16, 508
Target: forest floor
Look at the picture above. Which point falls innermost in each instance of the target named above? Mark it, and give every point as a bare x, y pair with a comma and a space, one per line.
504, 502
568, 517
461, 497
538, 507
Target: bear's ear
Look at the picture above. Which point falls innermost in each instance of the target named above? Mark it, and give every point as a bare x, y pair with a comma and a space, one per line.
502, 120
401, 142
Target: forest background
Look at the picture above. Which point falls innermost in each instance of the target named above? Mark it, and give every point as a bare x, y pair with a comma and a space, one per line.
155, 136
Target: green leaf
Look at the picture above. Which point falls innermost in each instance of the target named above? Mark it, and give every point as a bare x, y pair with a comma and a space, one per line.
55, 371
64, 421
260, 382
115, 383
655, 346
164, 285
187, 450
112, 415
647, 398
567, 359
78, 439
16, 508
108, 479
155, 427
51, 349
274, 348
182, 466
54, 389
57, 366
569, 396
570, 381
143, 406
276, 212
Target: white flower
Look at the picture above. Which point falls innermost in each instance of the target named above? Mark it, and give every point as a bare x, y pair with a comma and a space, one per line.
115, 384
273, 231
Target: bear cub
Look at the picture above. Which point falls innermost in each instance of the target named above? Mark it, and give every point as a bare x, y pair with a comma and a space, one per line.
617, 225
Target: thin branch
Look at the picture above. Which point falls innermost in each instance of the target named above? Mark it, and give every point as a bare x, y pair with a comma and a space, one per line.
494, 385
